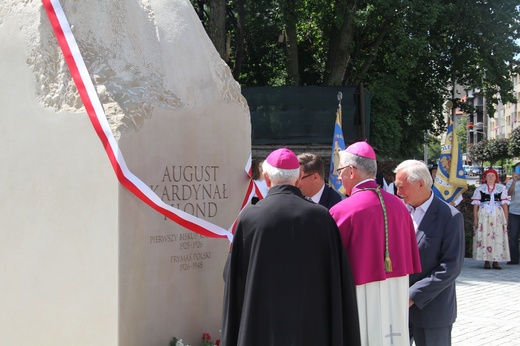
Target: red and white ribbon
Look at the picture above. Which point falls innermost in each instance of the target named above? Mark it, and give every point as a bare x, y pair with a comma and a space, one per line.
97, 116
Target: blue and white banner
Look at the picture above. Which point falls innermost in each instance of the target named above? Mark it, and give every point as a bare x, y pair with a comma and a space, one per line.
338, 144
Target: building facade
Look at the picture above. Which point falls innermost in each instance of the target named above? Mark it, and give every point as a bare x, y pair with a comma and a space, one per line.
505, 119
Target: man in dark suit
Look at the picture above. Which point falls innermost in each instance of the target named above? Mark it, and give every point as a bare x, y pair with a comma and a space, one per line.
440, 238
312, 183
288, 279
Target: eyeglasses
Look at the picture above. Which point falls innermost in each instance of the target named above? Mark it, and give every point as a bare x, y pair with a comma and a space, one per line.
306, 176
338, 171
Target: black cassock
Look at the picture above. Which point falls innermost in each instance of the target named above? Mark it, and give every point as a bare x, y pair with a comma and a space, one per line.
287, 277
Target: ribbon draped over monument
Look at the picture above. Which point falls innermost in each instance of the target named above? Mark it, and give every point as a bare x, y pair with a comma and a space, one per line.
97, 116
450, 180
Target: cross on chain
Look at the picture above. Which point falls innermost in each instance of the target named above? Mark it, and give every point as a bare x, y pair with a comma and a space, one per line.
391, 335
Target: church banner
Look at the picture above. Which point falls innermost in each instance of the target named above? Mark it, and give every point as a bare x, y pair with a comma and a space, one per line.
338, 144
450, 180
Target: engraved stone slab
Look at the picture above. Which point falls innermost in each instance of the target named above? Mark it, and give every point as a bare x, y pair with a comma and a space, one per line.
85, 261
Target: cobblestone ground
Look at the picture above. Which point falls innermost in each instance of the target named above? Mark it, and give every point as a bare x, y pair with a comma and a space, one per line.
488, 306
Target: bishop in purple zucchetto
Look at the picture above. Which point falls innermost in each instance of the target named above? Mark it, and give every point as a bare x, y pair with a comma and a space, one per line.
362, 149
283, 158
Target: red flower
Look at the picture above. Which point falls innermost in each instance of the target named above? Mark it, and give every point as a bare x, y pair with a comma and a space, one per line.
217, 342
206, 337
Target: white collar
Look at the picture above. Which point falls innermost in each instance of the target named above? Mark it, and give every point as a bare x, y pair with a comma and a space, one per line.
317, 196
362, 182
424, 207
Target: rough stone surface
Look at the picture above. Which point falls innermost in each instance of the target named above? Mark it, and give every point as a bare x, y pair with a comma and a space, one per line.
85, 261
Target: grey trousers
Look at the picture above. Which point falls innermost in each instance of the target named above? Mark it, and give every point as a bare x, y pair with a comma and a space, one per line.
514, 230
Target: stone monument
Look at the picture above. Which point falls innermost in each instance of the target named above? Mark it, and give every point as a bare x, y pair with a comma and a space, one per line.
85, 260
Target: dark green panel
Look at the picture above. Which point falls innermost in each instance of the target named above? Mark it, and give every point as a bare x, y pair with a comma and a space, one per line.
304, 115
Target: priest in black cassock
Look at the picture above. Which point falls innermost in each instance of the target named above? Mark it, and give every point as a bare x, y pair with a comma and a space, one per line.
287, 278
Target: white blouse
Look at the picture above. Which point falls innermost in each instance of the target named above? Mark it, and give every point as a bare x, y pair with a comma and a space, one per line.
497, 195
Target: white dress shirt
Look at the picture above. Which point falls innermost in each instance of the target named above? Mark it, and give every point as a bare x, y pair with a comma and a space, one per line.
317, 196
418, 213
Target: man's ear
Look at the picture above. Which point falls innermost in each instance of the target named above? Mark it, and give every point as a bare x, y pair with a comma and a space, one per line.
353, 172
297, 182
267, 180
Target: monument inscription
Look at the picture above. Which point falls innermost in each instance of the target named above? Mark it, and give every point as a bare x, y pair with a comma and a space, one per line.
196, 190
183, 129
189, 249
192, 189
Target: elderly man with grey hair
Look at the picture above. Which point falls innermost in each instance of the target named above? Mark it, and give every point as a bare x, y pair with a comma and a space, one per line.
379, 238
288, 279
439, 231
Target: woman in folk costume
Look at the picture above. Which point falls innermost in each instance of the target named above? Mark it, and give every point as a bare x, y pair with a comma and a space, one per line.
490, 212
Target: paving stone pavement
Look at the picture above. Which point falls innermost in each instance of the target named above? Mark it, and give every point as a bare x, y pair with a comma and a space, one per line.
488, 306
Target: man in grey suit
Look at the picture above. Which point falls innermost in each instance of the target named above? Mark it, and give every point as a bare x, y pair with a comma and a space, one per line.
312, 183
439, 229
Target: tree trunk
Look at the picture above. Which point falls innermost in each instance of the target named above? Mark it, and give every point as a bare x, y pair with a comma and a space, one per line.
217, 25
339, 45
239, 38
291, 45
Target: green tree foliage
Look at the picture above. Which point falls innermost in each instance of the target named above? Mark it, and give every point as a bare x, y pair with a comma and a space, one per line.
462, 133
436, 44
479, 152
434, 149
498, 149
514, 143
492, 150
406, 53
386, 120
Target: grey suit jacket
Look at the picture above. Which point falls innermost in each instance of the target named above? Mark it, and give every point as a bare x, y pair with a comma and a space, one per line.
440, 238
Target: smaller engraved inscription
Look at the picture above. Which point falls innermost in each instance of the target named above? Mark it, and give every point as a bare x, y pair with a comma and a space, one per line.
195, 190
189, 249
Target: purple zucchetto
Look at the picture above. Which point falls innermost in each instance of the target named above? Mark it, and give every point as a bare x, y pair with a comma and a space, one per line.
362, 149
283, 158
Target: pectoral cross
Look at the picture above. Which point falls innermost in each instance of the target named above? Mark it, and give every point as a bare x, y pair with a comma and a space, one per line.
391, 335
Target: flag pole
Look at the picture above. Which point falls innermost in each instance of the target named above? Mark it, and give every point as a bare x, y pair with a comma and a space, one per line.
453, 103
340, 97
450, 180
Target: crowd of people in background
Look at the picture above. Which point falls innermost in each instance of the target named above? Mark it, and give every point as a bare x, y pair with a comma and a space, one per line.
309, 266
